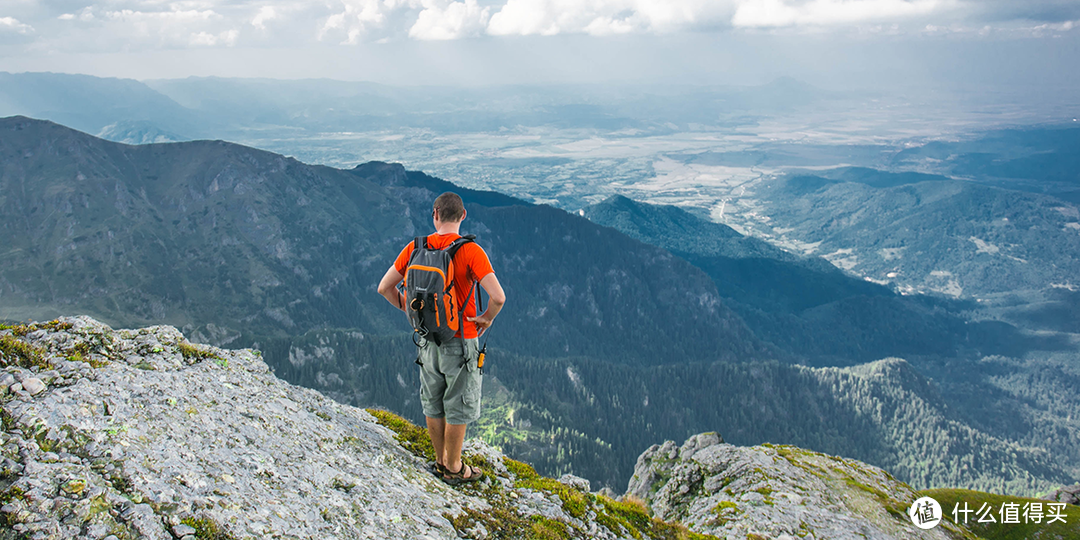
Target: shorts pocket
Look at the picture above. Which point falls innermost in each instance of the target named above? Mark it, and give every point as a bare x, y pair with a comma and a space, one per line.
473, 383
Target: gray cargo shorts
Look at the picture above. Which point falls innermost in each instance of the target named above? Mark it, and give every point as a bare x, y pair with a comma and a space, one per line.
450, 380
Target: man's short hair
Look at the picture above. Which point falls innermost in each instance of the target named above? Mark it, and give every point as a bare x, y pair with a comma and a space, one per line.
450, 207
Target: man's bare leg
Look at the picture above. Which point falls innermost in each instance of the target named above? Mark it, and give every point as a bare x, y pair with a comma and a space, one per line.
454, 440
436, 428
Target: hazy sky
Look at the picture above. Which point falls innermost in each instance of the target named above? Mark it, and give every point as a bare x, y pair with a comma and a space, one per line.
832, 43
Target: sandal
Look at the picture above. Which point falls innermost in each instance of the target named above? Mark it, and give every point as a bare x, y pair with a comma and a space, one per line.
459, 477
436, 469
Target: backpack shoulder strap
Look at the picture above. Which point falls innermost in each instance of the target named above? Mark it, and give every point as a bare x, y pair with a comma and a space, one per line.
456, 244
419, 243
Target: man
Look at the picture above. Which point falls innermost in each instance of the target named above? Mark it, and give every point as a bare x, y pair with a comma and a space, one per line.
450, 379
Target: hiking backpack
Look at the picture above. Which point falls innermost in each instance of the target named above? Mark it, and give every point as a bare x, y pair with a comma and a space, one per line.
430, 300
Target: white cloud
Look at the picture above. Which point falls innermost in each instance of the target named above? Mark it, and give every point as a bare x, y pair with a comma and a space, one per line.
605, 17
362, 20
266, 13
11, 24
441, 21
204, 39
191, 27
778, 13
1058, 27
116, 25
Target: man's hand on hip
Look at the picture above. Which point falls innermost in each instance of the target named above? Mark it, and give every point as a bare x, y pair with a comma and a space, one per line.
483, 322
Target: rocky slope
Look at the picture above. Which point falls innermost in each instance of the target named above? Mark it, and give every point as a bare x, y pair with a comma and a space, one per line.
775, 492
139, 434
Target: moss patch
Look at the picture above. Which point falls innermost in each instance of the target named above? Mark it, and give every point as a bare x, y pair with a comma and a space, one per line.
55, 325
634, 518
523, 471
15, 352
192, 353
725, 512
12, 493
81, 354
891, 505
412, 437
573, 501
550, 529
207, 529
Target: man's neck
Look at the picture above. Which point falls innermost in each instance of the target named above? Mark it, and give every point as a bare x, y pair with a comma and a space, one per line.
449, 228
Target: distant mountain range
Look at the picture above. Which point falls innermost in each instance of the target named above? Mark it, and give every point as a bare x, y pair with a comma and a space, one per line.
234, 108
608, 344
92, 103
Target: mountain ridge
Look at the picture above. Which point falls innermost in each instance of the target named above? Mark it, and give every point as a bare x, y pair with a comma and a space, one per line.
306, 239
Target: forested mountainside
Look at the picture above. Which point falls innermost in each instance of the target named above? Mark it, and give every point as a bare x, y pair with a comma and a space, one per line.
805, 304
932, 233
1038, 160
599, 353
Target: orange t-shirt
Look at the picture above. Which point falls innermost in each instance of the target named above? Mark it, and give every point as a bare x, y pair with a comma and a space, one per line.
471, 264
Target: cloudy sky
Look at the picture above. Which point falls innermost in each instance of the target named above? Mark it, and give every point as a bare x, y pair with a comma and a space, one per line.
538, 41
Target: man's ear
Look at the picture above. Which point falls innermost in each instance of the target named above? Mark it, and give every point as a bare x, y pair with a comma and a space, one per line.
464, 213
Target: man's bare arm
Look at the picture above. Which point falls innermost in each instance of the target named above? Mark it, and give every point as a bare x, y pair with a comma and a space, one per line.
496, 299
388, 288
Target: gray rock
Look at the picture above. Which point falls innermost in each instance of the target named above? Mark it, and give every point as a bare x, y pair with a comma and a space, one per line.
1067, 495
183, 530
33, 385
576, 482
48, 377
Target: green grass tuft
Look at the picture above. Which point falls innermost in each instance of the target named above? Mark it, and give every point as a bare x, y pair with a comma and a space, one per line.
634, 517
15, 352
412, 437
207, 529
11, 494
523, 471
549, 529
192, 353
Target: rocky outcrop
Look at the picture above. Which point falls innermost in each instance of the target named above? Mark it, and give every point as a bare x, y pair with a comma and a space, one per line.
1067, 495
137, 433
124, 434
774, 492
